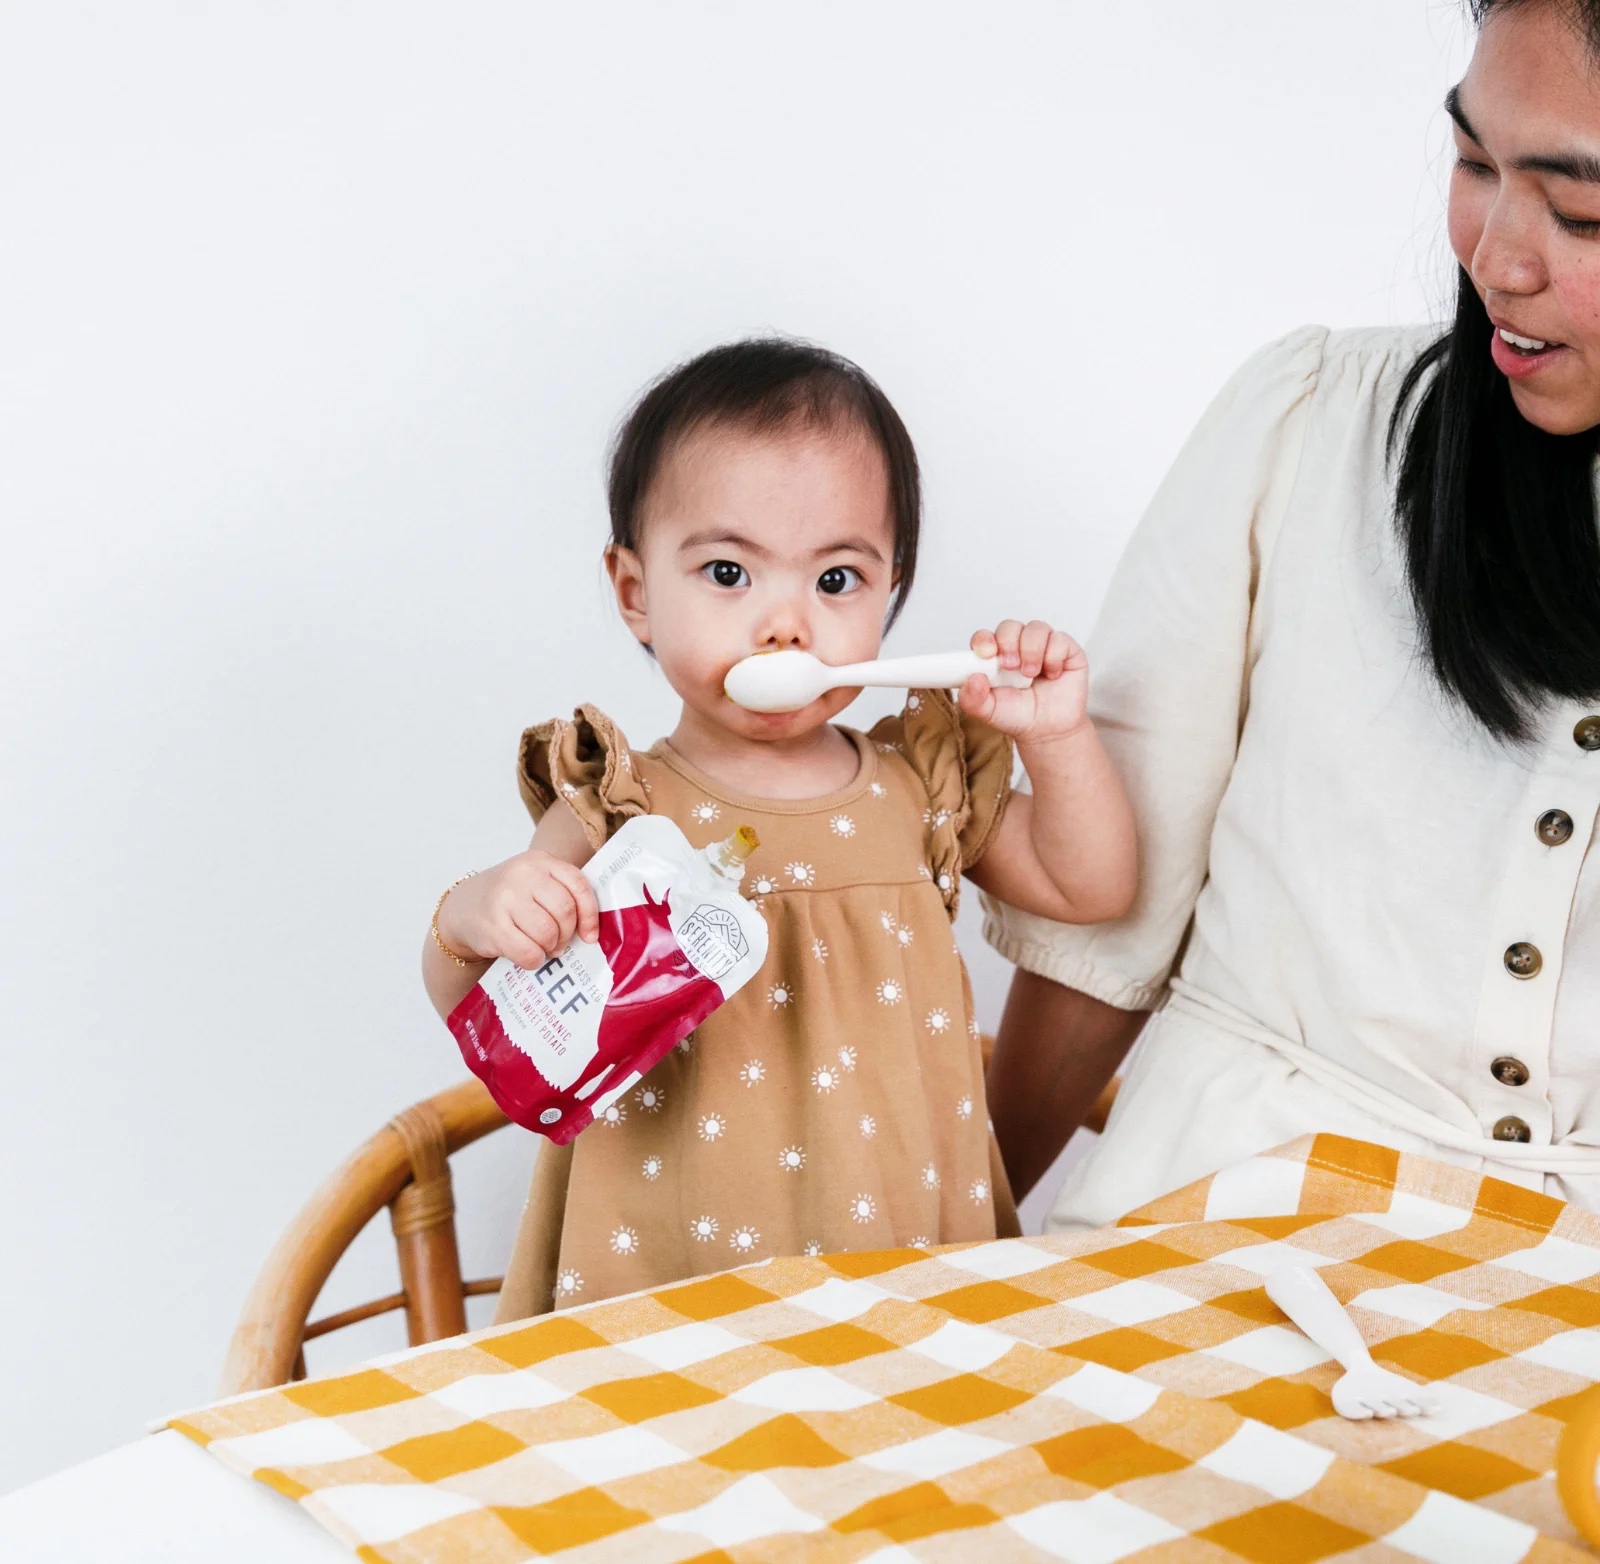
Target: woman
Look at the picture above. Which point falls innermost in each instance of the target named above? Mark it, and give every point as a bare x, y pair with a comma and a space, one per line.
1350, 669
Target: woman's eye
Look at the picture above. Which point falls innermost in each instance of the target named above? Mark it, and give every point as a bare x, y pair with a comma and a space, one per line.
725, 573
839, 579
1467, 165
1582, 227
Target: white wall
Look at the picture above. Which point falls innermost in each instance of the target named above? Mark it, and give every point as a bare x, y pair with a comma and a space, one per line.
315, 319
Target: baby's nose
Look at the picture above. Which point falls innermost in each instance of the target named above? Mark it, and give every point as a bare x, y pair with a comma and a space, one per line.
785, 627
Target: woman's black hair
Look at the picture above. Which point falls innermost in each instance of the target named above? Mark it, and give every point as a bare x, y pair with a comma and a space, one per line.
1497, 519
763, 385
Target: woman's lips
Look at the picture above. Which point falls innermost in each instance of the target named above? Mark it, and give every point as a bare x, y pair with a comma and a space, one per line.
1518, 357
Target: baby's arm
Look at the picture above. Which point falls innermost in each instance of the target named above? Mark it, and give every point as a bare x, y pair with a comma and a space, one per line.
1067, 851
526, 908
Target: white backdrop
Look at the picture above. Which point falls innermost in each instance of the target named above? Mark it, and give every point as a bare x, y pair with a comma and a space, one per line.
315, 321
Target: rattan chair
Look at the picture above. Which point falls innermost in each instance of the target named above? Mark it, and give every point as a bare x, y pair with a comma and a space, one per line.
405, 1166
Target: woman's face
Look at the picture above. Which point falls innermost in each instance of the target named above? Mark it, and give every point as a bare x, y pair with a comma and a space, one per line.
1525, 208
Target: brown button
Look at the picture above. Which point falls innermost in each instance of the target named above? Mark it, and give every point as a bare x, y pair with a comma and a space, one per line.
1512, 1128
1587, 733
1554, 827
1523, 960
1509, 1071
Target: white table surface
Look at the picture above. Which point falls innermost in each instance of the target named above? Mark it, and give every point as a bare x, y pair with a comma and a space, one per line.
160, 1500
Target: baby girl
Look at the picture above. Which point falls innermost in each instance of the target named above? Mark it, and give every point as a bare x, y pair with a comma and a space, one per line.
766, 496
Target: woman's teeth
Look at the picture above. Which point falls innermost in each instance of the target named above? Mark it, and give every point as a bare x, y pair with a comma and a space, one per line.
1524, 344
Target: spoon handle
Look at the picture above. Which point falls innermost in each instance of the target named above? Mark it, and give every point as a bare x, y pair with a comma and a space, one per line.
932, 671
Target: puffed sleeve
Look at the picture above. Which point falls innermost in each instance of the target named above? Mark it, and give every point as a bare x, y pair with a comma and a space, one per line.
965, 769
586, 762
1170, 663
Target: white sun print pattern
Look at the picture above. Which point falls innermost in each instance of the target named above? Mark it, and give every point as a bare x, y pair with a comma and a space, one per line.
863, 1208
890, 992
792, 1158
843, 825
964, 1108
913, 702
979, 1191
568, 1284
886, 922
744, 1239
869, 1126
922, 1242
754, 1073
935, 817
613, 1115
764, 886
801, 873
569, 790
938, 1021
712, 1127
930, 1177
812, 1250
624, 1241
824, 1079
973, 1029
650, 1098
924, 871
651, 1168
819, 949
780, 995
703, 1229
847, 1058
878, 790
705, 812
905, 936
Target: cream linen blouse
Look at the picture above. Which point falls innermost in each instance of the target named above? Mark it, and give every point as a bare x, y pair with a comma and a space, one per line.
1359, 913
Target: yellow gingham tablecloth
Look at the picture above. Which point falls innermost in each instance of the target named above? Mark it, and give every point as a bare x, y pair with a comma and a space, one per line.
1127, 1394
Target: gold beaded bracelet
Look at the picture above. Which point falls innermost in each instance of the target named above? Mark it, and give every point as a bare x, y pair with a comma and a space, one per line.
438, 938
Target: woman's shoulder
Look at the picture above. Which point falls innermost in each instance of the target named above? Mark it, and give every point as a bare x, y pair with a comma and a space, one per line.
1333, 364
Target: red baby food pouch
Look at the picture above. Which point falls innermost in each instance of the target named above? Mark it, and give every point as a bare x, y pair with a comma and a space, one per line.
556, 1045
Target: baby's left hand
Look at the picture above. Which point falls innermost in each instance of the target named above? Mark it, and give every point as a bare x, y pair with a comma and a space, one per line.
1054, 706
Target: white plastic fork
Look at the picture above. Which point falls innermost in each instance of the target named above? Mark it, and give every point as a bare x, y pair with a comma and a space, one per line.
1364, 1390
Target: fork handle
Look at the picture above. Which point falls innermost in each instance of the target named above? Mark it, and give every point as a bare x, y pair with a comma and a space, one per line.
1304, 1297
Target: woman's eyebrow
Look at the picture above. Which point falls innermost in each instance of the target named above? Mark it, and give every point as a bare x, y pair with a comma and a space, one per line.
1582, 166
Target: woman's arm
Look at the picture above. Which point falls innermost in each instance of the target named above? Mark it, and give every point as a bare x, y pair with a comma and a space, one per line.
1055, 1052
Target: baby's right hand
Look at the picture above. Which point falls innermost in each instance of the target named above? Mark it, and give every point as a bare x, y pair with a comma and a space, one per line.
525, 909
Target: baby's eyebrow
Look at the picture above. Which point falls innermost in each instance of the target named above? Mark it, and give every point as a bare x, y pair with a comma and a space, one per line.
698, 540
850, 546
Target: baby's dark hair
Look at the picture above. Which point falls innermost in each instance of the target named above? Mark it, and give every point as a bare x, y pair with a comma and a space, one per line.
763, 385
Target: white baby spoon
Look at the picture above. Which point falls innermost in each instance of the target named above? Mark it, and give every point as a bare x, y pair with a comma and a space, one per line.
1363, 1390
786, 681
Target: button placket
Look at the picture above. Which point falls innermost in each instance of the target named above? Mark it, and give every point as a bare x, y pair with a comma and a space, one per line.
1516, 1008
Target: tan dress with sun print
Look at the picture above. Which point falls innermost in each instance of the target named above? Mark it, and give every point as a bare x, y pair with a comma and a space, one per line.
836, 1101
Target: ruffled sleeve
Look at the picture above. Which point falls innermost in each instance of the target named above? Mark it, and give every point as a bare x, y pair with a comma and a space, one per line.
965, 768
586, 762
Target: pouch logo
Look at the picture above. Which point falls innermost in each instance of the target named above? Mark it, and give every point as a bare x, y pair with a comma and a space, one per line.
713, 940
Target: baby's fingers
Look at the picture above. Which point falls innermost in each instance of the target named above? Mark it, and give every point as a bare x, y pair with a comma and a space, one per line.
1008, 642
977, 697
535, 935
983, 643
586, 905
1062, 655
1032, 646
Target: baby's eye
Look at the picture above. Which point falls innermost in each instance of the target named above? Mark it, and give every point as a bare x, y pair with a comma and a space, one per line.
839, 579
725, 573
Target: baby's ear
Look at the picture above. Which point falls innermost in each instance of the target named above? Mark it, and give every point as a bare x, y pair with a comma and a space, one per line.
627, 581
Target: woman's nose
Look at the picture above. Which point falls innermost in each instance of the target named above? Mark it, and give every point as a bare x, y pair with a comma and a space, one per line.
1506, 259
